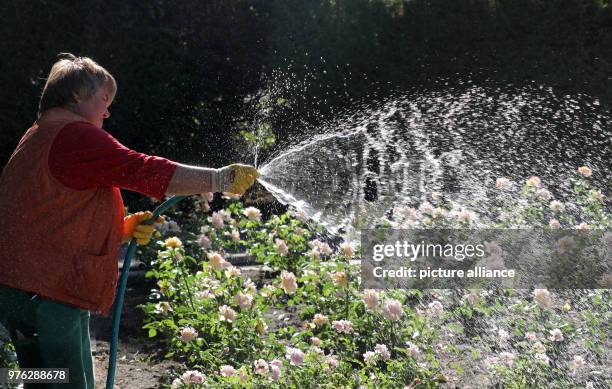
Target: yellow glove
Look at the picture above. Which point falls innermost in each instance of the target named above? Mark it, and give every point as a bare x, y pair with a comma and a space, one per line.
235, 178
133, 229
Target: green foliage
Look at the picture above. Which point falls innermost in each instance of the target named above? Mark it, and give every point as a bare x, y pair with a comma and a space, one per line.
188, 299
515, 338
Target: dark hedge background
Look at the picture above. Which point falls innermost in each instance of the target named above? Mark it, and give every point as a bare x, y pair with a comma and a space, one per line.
184, 68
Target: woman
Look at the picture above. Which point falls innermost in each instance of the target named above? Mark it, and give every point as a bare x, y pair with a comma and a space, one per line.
63, 223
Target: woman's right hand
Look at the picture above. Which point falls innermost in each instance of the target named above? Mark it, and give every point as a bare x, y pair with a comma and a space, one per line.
189, 180
235, 178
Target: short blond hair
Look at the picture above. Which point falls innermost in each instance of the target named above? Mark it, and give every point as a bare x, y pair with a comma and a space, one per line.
74, 75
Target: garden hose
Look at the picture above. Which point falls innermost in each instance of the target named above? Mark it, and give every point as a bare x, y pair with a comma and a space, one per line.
112, 358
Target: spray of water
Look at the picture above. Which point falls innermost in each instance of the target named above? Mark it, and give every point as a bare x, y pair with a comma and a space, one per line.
456, 142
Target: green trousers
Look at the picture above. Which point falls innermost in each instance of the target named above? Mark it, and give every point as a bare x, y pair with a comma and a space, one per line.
48, 334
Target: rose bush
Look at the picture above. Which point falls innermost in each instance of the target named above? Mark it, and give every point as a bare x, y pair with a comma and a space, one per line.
309, 324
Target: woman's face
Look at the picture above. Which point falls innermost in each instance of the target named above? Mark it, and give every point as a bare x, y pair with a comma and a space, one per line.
94, 108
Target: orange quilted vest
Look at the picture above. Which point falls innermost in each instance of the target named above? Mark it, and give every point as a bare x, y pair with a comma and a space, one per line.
57, 242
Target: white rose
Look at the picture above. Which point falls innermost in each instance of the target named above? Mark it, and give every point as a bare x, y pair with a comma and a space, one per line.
585, 171
502, 183
533, 181
426, 208
557, 206
554, 224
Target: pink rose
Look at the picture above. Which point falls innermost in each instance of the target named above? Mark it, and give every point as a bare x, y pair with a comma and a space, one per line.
188, 334
332, 362
435, 308
383, 351
205, 241
342, 326
289, 283
275, 373
261, 367
217, 220
227, 371
392, 310
193, 377
227, 313
371, 298
244, 301
281, 246
295, 356
217, 261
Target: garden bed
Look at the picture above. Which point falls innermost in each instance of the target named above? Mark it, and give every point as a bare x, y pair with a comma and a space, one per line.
300, 318
140, 360
307, 323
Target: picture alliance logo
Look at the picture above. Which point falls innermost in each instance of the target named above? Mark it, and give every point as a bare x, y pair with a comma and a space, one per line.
441, 273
